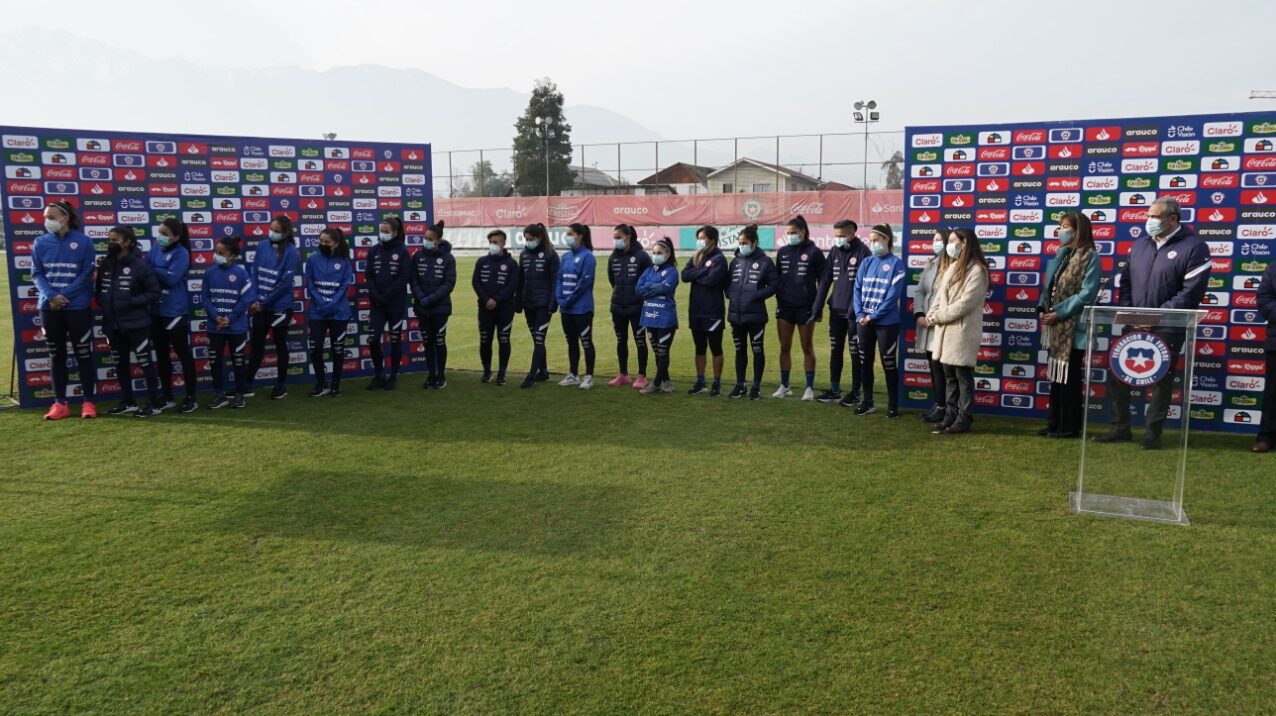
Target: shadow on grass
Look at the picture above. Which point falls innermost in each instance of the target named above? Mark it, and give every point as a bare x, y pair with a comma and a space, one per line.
438, 511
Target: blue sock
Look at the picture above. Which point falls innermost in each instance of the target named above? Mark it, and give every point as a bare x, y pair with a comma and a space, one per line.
784, 378
699, 377
835, 387
810, 379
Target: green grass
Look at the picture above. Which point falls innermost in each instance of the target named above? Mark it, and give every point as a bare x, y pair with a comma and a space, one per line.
487, 550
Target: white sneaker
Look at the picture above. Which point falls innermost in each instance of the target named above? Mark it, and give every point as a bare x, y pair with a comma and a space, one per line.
783, 391
569, 381
587, 382
809, 394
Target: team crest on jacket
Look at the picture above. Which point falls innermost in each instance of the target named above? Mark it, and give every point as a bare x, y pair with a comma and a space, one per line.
74, 245
232, 278
1139, 359
126, 271
504, 267
438, 260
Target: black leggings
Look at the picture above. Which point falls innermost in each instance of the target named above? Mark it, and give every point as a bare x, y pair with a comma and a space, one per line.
749, 336
383, 322
277, 325
434, 339
623, 325
320, 330
885, 339
939, 383
661, 342
498, 322
173, 333
841, 333
707, 341
579, 329
76, 327
133, 347
538, 325
218, 343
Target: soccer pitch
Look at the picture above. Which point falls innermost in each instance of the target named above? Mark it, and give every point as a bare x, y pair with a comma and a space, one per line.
485, 550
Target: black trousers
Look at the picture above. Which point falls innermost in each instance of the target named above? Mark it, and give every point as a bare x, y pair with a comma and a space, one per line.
661, 342
884, 339
237, 344
74, 327
277, 326
840, 334
322, 331
938, 381
498, 322
1267, 427
707, 341
749, 337
129, 348
579, 329
1158, 409
1067, 408
382, 322
434, 339
172, 333
538, 325
959, 381
624, 325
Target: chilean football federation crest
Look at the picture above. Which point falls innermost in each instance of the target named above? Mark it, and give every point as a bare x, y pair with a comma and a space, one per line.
1139, 359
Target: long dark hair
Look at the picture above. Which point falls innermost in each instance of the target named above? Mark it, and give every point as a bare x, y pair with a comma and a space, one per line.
972, 256
583, 232
73, 219
628, 231
232, 243
179, 231
538, 231
666, 242
436, 229
290, 235
127, 232
396, 228
1083, 231
342, 249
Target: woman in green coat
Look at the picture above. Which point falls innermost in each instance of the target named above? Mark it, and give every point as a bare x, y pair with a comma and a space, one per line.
1072, 283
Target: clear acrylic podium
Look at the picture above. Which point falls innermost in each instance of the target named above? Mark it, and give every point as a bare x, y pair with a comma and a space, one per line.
1137, 350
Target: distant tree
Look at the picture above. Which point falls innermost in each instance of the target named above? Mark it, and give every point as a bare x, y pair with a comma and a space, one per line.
894, 168
484, 181
530, 158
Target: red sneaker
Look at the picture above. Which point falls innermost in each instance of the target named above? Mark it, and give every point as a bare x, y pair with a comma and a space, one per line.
57, 412
620, 380
640, 382
88, 410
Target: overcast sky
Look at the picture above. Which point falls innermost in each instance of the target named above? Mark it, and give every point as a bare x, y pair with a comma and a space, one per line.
715, 69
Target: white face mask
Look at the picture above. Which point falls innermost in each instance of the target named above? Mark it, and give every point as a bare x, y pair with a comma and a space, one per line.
878, 248
494, 249
659, 259
52, 226
701, 244
746, 249
275, 236
532, 243
954, 250
937, 246
1154, 226
840, 242
620, 244
385, 237
795, 239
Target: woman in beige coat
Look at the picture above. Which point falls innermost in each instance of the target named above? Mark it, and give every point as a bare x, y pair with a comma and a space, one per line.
956, 321
921, 303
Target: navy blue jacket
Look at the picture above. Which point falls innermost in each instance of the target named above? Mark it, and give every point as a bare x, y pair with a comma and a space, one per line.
837, 283
657, 285
273, 275
387, 276
1267, 307
496, 277
538, 270
754, 279
623, 270
708, 285
433, 278
800, 269
1173, 277
126, 289
171, 266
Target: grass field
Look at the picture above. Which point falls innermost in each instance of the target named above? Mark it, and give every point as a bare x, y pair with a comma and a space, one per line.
486, 550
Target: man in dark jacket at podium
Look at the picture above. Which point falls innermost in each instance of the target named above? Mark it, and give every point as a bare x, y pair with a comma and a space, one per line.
1169, 267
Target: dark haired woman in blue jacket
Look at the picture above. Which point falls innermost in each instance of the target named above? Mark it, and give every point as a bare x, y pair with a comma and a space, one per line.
126, 289
624, 266
537, 272
228, 292
275, 265
657, 286
170, 323
432, 279
329, 277
708, 276
495, 283
753, 279
388, 267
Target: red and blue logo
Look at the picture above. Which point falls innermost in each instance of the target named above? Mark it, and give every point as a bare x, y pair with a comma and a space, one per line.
1140, 359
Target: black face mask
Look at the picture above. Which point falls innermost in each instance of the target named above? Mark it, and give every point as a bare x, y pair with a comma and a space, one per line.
113, 250
325, 250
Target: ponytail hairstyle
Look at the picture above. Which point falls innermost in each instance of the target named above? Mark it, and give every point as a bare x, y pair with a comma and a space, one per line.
630, 232
290, 235
342, 248
711, 235
181, 234
232, 243
583, 232
537, 231
73, 219
396, 227
436, 229
884, 231
668, 245
799, 222
971, 259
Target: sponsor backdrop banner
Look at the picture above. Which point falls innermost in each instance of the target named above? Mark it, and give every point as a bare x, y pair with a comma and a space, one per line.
219, 186
1011, 182
819, 207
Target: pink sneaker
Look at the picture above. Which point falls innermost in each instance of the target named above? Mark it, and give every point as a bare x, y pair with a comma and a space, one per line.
88, 410
620, 380
640, 382
58, 411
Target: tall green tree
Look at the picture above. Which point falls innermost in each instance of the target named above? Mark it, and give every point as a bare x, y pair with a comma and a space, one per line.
894, 168
484, 181
530, 143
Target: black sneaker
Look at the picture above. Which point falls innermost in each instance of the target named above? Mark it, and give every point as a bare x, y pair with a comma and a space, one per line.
219, 402
334, 391
500, 379
755, 393
123, 409
738, 392
189, 405
865, 409
429, 382
934, 415
487, 377
528, 382
237, 401
440, 383
168, 404
542, 377
1115, 435
1151, 441
377, 383
392, 383
892, 412
279, 393
829, 396
848, 401
319, 391
716, 390
147, 411
249, 393
697, 389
